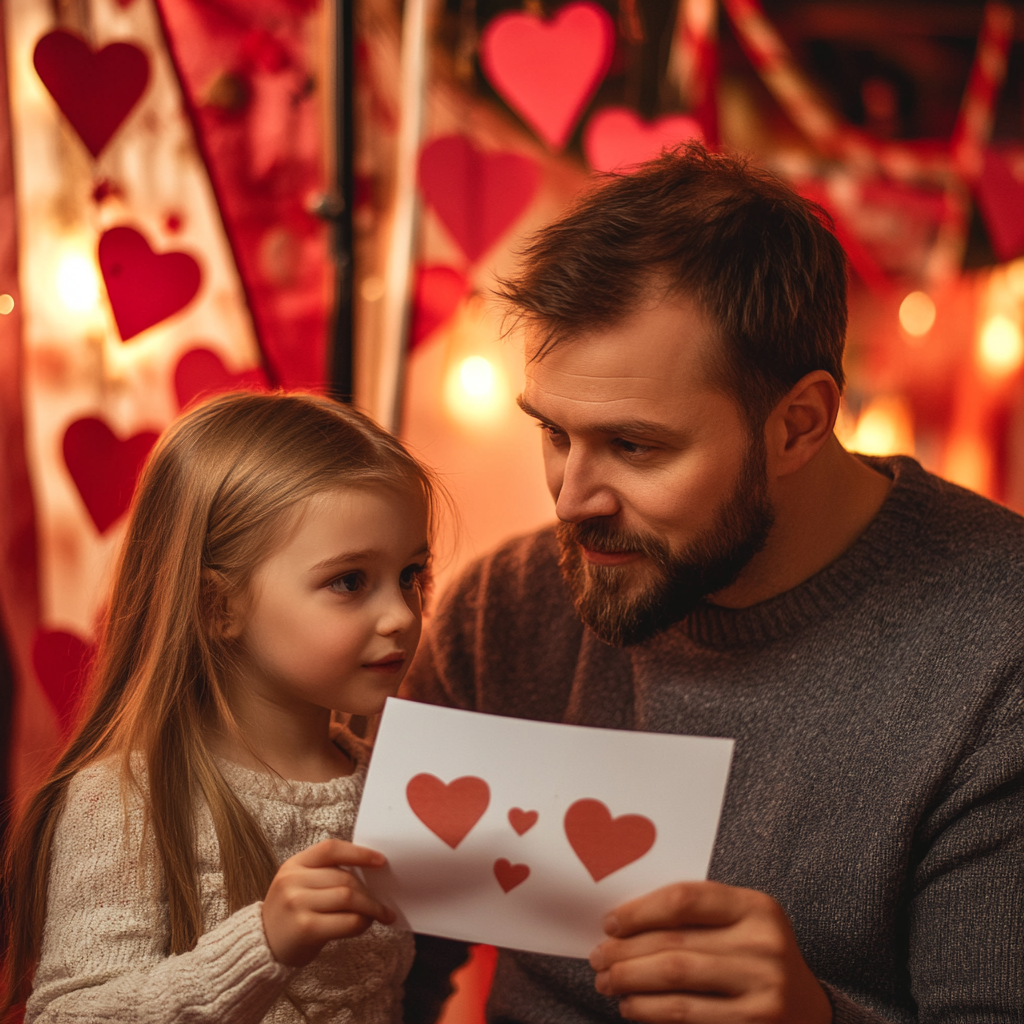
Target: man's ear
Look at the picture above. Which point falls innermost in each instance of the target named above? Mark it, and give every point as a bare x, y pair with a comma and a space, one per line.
801, 422
222, 607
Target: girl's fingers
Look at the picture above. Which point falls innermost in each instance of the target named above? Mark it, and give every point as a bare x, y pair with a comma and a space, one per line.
338, 851
347, 900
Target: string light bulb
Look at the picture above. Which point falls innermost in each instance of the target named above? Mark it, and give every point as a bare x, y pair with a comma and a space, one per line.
917, 314
1000, 346
475, 390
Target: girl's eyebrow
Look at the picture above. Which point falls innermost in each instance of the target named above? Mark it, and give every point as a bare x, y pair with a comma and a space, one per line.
336, 561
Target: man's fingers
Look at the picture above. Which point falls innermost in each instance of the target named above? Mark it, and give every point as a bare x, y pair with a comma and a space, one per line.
681, 904
682, 1006
337, 851
675, 970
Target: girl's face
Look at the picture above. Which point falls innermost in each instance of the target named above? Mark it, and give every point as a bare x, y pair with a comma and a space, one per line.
333, 615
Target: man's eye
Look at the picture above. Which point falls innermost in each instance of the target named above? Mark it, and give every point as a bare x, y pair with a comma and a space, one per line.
631, 447
347, 584
554, 435
412, 575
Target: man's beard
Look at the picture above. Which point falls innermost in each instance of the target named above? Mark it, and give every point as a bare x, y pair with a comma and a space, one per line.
623, 609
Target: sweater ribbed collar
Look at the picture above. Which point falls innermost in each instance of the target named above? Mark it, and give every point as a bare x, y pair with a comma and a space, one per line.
877, 552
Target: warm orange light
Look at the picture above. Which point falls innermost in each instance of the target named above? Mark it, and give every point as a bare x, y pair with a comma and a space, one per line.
884, 427
475, 390
78, 282
6, 304
917, 314
1000, 346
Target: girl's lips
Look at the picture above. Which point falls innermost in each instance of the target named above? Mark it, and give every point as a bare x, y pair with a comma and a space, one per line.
389, 663
610, 557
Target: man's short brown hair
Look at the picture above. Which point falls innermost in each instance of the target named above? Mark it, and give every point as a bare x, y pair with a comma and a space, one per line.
761, 262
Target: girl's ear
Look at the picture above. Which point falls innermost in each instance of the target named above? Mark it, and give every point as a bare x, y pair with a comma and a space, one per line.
221, 607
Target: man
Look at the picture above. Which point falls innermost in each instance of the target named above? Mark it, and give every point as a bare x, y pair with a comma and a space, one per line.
723, 567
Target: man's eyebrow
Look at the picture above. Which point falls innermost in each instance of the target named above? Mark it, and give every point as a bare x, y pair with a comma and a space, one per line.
630, 428
347, 557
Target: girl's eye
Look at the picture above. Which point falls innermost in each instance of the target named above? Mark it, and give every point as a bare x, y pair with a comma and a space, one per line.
411, 575
347, 584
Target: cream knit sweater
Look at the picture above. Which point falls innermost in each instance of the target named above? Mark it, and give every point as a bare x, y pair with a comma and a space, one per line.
103, 952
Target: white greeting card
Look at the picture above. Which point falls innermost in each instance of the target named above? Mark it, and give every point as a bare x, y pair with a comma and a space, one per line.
525, 834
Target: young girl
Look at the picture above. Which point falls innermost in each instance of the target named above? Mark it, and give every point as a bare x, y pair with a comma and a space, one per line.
188, 857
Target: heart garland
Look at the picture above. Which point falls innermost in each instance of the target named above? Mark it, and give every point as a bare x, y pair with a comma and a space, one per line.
615, 139
61, 661
437, 292
548, 71
105, 468
95, 90
477, 195
201, 373
144, 287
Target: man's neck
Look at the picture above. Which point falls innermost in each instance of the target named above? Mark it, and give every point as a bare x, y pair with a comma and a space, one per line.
820, 511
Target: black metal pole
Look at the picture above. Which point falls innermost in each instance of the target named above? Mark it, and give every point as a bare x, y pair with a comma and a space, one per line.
341, 337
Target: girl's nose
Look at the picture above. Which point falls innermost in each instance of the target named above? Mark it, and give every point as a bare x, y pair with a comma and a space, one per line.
400, 613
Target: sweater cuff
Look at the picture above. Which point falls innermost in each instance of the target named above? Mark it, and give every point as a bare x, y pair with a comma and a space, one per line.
846, 1011
249, 979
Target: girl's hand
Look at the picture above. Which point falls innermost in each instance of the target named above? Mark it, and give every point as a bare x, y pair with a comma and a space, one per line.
312, 900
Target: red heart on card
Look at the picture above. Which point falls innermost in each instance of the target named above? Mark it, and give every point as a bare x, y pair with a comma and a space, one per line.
522, 821
547, 71
477, 195
144, 287
616, 139
510, 875
200, 372
104, 467
61, 661
95, 91
436, 295
605, 844
449, 811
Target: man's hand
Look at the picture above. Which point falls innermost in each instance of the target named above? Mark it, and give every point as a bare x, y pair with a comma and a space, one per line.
706, 953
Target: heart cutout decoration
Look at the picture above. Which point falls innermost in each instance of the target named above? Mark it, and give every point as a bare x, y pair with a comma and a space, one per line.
477, 195
548, 71
200, 373
1000, 193
61, 661
94, 90
615, 139
522, 821
104, 467
449, 811
436, 295
510, 875
605, 844
144, 287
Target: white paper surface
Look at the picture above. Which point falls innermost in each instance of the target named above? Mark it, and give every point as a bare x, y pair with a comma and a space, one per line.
677, 783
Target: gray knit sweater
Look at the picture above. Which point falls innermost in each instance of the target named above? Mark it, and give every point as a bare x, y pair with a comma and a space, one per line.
876, 790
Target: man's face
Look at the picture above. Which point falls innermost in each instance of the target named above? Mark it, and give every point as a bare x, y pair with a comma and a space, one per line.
660, 487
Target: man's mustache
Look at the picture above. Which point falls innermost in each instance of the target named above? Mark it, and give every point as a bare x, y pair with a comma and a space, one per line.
601, 534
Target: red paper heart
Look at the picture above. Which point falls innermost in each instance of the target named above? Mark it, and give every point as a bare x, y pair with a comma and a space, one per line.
436, 295
449, 811
510, 875
616, 139
547, 71
61, 661
522, 821
477, 195
200, 372
144, 287
605, 844
104, 467
95, 91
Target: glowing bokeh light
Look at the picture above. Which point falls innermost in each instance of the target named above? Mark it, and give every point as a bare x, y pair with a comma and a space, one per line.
1000, 346
917, 314
883, 428
475, 390
78, 282
6, 304
477, 377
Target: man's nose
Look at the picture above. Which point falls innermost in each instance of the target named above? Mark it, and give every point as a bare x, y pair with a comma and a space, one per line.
585, 493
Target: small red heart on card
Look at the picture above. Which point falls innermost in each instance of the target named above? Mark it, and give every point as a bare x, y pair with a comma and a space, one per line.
616, 139
104, 467
522, 821
449, 811
436, 295
61, 661
200, 372
547, 71
510, 875
95, 91
144, 287
605, 844
478, 196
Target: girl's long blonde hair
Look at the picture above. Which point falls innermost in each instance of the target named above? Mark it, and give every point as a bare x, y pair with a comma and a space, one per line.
208, 505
